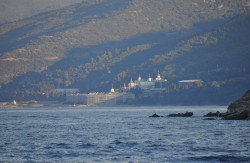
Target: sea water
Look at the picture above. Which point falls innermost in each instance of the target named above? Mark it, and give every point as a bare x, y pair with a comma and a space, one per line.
121, 134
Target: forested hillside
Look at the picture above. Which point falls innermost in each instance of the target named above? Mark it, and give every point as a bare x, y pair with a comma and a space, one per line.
95, 44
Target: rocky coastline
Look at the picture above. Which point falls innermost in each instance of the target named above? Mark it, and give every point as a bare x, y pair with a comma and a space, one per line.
187, 114
241, 104
35, 104
240, 109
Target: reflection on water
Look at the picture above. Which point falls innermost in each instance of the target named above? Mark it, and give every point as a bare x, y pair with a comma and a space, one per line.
125, 134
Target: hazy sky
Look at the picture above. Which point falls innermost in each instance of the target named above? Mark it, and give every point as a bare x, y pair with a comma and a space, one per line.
11, 10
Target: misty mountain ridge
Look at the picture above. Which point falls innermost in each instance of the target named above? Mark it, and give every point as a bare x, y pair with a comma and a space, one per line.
109, 42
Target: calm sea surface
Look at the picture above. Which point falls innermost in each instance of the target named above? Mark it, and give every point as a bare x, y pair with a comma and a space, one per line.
121, 134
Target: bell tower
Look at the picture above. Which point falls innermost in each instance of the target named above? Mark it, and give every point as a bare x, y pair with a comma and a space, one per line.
158, 76
112, 89
149, 78
139, 78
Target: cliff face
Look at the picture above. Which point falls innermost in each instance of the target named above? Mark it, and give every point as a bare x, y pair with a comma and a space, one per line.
241, 104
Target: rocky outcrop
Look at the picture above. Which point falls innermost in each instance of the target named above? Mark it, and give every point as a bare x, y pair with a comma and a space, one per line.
209, 119
187, 114
241, 104
155, 115
236, 116
240, 109
210, 114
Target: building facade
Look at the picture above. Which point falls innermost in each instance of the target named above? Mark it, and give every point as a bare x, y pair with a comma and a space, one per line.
148, 84
60, 92
92, 99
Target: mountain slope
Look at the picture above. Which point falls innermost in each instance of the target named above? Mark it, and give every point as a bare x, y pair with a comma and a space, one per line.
47, 37
13, 10
111, 41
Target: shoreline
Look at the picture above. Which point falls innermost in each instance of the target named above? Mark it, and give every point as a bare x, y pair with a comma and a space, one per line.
37, 105
56, 104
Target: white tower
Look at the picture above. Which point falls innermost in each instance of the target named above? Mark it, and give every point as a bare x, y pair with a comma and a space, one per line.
131, 84
112, 89
139, 78
149, 78
158, 76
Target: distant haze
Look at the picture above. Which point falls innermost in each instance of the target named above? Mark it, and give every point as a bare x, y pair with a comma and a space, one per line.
12, 10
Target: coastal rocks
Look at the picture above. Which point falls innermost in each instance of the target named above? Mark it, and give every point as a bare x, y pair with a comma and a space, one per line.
240, 109
241, 104
187, 114
236, 116
155, 115
209, 119
210, 114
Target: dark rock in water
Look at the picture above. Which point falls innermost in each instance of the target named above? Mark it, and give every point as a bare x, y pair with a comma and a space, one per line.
241, 104
187, 114
236, 116
155, 115
210, 114
209, 119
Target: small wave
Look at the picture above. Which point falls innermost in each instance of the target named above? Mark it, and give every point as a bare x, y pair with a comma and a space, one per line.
207, 148
117, 142
148, 152
148, 142
160, 127
7, 143
55, 155
135, 128
86, 145
27, 157
60, 145
155, 146
73, 154
29, 136
32, 116
48, 147
221, 158
125, 144
131, 144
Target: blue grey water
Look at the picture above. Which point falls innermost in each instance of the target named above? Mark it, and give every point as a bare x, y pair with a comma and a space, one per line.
121, 134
